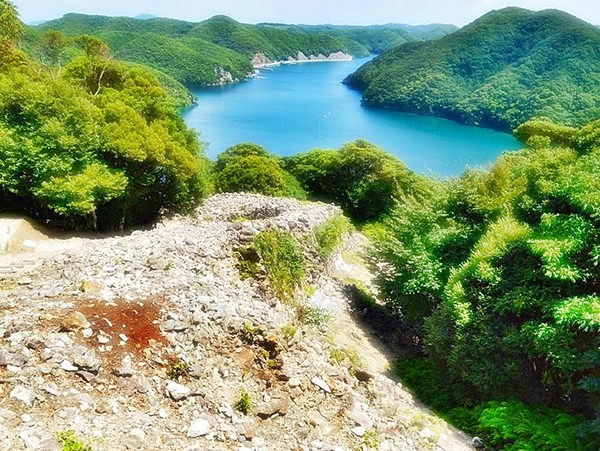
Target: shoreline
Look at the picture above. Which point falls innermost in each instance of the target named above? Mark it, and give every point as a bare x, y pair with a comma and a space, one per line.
301, 58
279, 63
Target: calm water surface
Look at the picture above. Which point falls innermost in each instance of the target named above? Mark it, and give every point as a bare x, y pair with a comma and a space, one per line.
295, 108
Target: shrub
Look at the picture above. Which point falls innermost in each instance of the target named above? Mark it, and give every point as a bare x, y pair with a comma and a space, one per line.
330, 234
283, 261
364, 179
250, 168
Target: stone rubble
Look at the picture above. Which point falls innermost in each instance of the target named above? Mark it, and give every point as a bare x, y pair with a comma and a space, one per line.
141, 342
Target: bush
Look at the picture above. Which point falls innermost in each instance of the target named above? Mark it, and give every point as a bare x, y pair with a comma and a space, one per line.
364, 179
282, 259
250, 168
330, 234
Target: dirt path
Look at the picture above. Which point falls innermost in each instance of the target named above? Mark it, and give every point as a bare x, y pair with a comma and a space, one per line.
352, 334
25, 244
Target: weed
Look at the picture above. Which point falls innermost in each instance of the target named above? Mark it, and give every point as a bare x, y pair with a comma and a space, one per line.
310, 290
371, 440
282, 259
69, 442
178, 369
248, 262
250, 331
330, 234
314, 316
341, 355
289, 330
336, 355
244, 404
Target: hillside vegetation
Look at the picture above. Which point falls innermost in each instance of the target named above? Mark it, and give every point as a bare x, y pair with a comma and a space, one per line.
507, 67
377, 38
220, 50
497, 275
93, 144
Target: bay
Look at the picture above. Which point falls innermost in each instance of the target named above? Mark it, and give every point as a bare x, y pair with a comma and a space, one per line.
297, 107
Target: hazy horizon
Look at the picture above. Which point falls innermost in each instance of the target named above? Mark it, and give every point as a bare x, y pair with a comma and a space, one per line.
348, 12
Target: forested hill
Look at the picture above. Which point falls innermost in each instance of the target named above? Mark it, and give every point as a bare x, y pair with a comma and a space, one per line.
378, 38
220, 49
507, 67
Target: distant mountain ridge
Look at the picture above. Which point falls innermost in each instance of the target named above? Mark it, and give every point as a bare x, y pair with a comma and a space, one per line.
507, 67
145, 16
220, 49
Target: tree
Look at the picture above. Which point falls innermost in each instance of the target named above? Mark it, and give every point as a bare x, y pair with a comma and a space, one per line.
11, 31
363, 178
251, 174
52, 47
93, 46
11, 28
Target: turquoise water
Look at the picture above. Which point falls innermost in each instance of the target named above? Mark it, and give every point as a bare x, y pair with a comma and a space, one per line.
295, 108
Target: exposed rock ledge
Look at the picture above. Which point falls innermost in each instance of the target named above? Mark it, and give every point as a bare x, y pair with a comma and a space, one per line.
88, 333
260, 60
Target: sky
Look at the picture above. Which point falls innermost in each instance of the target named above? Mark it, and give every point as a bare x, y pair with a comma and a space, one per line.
359, 12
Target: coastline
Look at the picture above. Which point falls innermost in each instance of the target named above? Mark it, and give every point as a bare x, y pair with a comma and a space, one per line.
261, 61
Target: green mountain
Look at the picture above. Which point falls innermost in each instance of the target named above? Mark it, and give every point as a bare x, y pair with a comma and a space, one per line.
378, 38
220, 49
509, 66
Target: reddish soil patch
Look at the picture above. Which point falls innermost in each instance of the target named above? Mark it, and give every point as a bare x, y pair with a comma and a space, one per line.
136, 320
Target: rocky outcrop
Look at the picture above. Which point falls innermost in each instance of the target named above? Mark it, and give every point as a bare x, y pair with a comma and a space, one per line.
148, 341
260, 60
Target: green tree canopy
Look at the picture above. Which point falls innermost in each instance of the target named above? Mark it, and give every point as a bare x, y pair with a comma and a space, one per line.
363, 178
498, 270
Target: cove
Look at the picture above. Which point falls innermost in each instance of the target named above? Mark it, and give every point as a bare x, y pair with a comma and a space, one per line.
297, 107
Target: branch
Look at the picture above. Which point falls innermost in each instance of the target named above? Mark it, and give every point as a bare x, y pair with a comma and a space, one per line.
100, 81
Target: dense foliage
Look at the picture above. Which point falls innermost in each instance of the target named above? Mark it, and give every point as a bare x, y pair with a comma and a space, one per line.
364, 179
220, 49
98, 144
250, 168
377, 38
508, 425
499, 273
505, 68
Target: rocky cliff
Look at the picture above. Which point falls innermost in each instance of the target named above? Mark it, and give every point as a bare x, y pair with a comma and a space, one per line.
260, 60
155, 341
